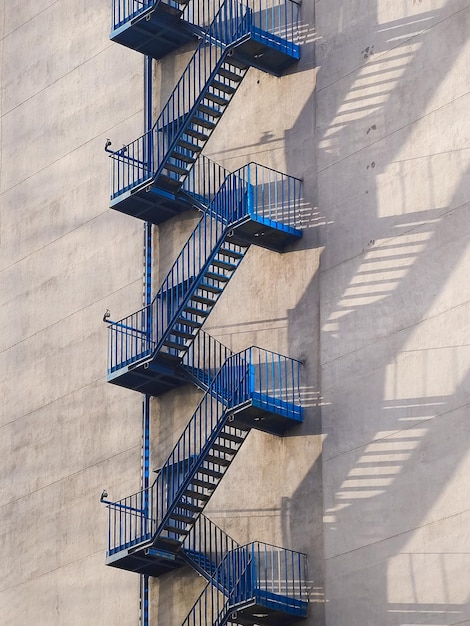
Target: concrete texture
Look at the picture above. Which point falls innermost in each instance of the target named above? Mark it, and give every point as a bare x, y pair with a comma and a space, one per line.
374, 299
64, 258
392, 137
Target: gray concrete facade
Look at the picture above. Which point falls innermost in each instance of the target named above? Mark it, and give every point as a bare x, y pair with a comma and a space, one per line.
373, 299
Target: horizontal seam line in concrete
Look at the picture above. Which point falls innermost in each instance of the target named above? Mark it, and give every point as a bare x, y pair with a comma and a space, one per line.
51, 402
54, 82
31, 19
54, 569
397, 432
396, 332
397, 238
68, 476
67, 154
63, 319
393, 132
393, 48
53, 241
390, 537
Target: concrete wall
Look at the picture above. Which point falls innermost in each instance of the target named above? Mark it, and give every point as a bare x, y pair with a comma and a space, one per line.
64, 258
392, 136
374, 298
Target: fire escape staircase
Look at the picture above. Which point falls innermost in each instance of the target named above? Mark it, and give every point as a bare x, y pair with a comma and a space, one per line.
255, 388
159, 528
148, 174
253, 205
161, 346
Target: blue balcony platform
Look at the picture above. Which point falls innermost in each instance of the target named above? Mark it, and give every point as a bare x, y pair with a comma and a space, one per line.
152, 28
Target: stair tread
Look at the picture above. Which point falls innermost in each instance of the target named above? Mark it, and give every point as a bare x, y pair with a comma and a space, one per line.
181, 156
187, 322
210, 472
223, 264
201, 121
211, 288
176, 530
196, 496
233, 76
216, 276
197, 134
203, 299
204, 483
231, 253
187, 145
225, 449
231, 437
181, 333
175, 168
174, 344
221, 86
208, 110
179, 517
213, 97
195, 311
190, 507
216, 460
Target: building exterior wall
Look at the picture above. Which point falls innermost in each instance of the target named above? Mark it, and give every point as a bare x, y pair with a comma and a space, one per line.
373, 299
64, 258
392, 154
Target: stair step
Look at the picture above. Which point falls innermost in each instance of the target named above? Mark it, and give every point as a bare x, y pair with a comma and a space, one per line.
217, 460
201, 121
190, 507
233, 76
225, 449
225, 265
181, 333
187, 322
197, 134
219, 277
196, 496
210, 472
211, 288
204, 108
187, 145
181, 156
179, 517
195, 311
175, 168
171, 182
231, 437
213, 97
175, 529
203, 299
205, 484
174, 344
217, 84
233, 254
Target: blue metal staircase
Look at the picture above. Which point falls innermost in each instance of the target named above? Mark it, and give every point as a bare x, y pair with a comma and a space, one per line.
161, 346
253, 205
147, 174
253, 389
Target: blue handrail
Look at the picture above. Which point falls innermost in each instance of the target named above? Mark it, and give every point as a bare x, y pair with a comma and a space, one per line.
255, 373
256, 573
253, 192
159, 151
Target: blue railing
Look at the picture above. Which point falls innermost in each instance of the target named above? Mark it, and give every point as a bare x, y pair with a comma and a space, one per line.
204, 181
206, 546
253, 192
141, 160
124, 11
259, 574
204, 359
273, 380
